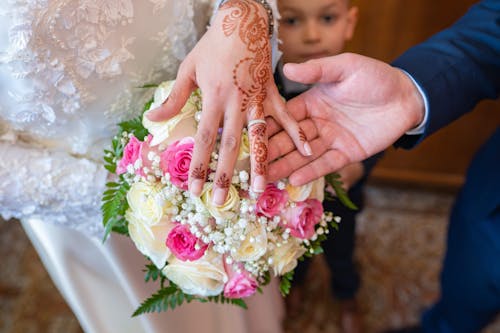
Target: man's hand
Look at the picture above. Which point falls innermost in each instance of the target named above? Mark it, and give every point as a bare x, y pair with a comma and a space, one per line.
358, 107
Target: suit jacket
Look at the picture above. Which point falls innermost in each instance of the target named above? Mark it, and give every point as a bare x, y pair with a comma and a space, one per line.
456, 69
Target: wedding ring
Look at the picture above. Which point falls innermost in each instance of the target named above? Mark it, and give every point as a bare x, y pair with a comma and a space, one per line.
255, 122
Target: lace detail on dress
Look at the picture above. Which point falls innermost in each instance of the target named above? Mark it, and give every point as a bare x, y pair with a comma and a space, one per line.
177, 38
63, 44
51, 186
74, 61
69, 72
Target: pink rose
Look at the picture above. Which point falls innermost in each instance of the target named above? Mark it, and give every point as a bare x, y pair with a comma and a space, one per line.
131, 153
272, 201
303, 217
182, 243
176, 160
240, 284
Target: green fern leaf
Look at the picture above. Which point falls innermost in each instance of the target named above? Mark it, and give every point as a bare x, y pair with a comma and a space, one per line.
334, 180
160, 301
286, 283
113, 208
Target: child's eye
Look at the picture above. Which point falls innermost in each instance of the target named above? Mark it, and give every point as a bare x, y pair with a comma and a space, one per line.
291, 21
329, 18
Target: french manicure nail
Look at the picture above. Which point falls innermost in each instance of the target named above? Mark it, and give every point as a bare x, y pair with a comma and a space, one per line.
196, 187
259, 184
308, 149
219, 197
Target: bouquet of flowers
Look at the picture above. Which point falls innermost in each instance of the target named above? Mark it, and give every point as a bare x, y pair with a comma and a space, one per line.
197, 250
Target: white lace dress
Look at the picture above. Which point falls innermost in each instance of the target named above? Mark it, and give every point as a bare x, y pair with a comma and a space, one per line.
69, 71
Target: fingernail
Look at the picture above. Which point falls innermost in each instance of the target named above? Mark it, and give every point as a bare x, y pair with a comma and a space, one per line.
308, 149
150, 113
153, 113
196, 187
259, 184
219, 197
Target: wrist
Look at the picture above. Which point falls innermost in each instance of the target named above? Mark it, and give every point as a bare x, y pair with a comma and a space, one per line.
264, 8
413, 101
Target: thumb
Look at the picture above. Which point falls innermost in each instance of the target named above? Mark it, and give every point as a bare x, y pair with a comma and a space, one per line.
322, 70
183, 86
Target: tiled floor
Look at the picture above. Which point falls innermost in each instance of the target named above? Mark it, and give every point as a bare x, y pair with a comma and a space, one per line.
400, 246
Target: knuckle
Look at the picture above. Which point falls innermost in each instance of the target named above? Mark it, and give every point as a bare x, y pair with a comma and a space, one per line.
184, 65
216, 88
230, 143
205, 137
173, 96
281, 111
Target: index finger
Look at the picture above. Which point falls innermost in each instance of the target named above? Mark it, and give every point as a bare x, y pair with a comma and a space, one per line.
296, 107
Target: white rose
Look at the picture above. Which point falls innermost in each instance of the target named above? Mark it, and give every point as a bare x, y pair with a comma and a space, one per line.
284, 258
203, 277
150, 239
255, 244
163, 130
147, 202
226, 211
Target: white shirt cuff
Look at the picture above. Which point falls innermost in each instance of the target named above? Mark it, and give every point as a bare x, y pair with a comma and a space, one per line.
421, 127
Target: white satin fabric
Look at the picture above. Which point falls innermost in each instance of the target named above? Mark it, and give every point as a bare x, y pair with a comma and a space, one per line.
69, 71
103, 293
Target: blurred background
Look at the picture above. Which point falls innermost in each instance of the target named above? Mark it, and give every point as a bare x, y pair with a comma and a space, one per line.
400, 234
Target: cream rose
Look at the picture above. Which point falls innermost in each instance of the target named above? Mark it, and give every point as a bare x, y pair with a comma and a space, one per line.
284, 258
244, 146
147, 202
299, 193
312, 190
226, 211
150, 239
163, 130
318, 189
203, 277
255, 244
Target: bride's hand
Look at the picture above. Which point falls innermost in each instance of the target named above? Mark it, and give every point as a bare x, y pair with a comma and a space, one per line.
231, 64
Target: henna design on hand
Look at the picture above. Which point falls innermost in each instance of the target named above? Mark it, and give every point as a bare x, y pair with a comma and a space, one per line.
302, 135
258, 148
253, 31
199, 172
223, 181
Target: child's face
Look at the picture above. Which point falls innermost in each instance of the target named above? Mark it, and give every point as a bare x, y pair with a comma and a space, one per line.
314, 28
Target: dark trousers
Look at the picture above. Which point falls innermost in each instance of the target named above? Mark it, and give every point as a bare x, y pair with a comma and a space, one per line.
339, 249
470, 280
